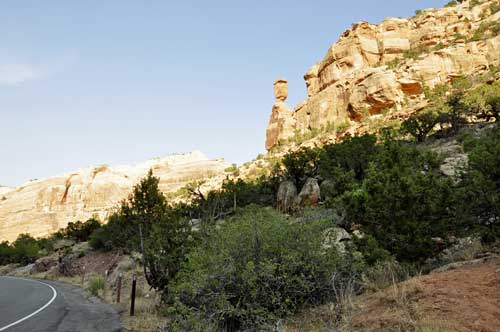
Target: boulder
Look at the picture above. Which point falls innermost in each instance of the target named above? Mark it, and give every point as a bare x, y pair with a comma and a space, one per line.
44, 264
287, 193
310, 194
335, 237
63, 244
454, 165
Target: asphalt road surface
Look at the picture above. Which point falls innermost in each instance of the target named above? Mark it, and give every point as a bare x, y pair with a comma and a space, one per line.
42, 306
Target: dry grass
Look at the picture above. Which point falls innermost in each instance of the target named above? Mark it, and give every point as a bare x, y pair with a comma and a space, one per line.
394, 309
5, 269
146, 317
330, 317
384, 275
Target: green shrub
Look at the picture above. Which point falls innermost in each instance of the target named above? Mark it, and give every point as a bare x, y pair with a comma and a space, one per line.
6, 253
257, 267
393, 64
480, 191
81, 231
403, 203
415, 53
25, 250
342, 127
438, 47
484, 101
451, 3
232, 169
95, 285
371, 250
300, 165
351, 155
454, 111
459, 36
495, 7
486, 30
100, 240
420, 124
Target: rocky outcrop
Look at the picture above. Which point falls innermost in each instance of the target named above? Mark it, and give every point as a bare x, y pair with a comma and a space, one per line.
42, 207
375, 68
310, 194
4, 191
335, 237
287, 194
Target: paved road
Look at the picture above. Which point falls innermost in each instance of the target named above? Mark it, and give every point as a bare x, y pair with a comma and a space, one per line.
43, 306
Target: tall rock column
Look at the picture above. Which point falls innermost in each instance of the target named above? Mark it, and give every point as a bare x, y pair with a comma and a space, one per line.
281, 124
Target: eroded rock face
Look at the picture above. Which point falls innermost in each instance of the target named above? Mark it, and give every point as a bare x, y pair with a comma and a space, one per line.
42, 207
373, 68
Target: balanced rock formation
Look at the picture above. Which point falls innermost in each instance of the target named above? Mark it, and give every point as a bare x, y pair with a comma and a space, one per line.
374, 68
42, 207
281, 125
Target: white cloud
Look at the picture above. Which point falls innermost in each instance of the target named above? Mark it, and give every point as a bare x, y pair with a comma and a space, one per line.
19, 73
15, 73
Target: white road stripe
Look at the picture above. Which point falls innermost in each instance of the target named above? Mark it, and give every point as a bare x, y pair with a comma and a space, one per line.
37, 311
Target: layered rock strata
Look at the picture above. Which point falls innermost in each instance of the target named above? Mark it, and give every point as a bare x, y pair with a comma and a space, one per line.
375, 68
41, 207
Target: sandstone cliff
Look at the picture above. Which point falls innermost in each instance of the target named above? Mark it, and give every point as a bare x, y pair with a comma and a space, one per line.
44, 206
4, 190
375, 68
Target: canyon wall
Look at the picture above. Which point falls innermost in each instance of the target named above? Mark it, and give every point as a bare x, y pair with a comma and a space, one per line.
376, 67
41, 207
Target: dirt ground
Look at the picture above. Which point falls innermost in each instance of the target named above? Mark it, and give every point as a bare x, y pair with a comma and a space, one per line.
97, 262
468, 298
465, 299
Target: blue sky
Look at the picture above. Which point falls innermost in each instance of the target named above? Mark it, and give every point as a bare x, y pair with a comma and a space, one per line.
121, 81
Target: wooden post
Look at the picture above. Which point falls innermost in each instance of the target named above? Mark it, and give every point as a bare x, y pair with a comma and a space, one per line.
83, 275
132, 298
118, 288
105, 281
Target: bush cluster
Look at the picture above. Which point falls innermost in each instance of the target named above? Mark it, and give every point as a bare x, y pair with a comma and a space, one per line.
451, 107
26, 249
257, 267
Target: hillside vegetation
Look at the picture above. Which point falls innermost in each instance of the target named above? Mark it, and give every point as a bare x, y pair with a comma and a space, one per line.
229, 260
